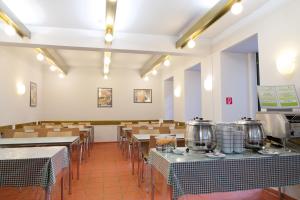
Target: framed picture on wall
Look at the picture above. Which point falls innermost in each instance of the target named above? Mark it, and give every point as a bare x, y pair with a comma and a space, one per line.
33, 94
142, 95
104, 97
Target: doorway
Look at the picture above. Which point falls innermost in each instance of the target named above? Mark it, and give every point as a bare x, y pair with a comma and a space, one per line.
169, 98
192, 84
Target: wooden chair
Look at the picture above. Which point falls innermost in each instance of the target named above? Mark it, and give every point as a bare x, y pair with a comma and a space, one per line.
25, 135
66, 124
176, 131
31, 128
149, 131
145, 160
143, 123
164, 130
67, 132
167, 124
84, 123
53, 126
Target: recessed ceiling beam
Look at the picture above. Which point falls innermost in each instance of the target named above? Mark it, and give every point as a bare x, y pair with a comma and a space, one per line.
150, 66
8, 17
215, 13
54, 58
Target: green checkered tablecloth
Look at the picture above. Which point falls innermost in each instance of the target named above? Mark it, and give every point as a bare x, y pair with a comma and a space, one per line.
194, 173
33, 166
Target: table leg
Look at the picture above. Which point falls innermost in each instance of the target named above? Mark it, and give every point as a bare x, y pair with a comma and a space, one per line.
152, 182
70, 168
280, 193
78, 158
48, 193
138, 159
62, 187
133, 156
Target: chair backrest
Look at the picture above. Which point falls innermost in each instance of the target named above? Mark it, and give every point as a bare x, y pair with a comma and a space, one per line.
48, 123
149, 131
25, 135
143, 123
167, 125
152, 142
7, 133
80, 126
125, 123
176, 131
66, 124
53, 126
84, 123
31, 128
135, 130
164, 130
59, 134
64, 132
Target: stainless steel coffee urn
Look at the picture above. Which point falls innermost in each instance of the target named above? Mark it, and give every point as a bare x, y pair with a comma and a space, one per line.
254, 133
200, 135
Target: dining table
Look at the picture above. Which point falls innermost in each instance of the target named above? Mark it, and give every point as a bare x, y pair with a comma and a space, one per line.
140, 141
33, 167
198, 173
68, 142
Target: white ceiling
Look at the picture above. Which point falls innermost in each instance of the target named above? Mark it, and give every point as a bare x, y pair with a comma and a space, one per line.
162, 17
153, 17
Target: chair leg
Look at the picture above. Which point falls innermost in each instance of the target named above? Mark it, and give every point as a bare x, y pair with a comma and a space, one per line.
147, 176
80, 153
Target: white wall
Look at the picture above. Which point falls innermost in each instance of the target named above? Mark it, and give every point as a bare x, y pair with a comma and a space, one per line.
18, 65
235, 84
192, 87
75, 96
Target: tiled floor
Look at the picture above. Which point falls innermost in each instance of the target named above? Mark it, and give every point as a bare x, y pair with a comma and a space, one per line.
107, 176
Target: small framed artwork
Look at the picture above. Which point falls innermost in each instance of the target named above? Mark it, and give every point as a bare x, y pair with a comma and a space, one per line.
142, 95
33, 94
104, 97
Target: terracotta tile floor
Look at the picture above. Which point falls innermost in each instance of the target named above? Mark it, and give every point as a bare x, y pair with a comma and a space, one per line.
107, 176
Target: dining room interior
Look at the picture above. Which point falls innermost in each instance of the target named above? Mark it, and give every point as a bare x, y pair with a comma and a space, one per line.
149, 99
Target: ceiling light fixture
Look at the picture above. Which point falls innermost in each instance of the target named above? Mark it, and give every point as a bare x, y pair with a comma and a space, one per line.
40, 57
237, 8
213, 15
108, 37
107, 60
167, 62
61, 75
191, 44
154, 72
53, 59
106, 69
146, 78
13, 24
105, 77
153, 64
111, 8
53, 68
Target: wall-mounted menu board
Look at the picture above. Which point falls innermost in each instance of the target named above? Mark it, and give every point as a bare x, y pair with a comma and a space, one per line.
284, 96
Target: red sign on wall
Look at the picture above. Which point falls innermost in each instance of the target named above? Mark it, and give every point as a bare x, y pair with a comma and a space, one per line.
229, 100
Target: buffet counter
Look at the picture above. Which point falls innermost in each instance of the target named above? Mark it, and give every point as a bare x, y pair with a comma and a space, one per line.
195, 173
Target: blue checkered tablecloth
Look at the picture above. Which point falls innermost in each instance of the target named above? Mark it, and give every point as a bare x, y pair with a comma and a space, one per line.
33, 166
194, 173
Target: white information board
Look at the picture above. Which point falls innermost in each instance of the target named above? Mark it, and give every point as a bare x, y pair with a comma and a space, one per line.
284, 96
